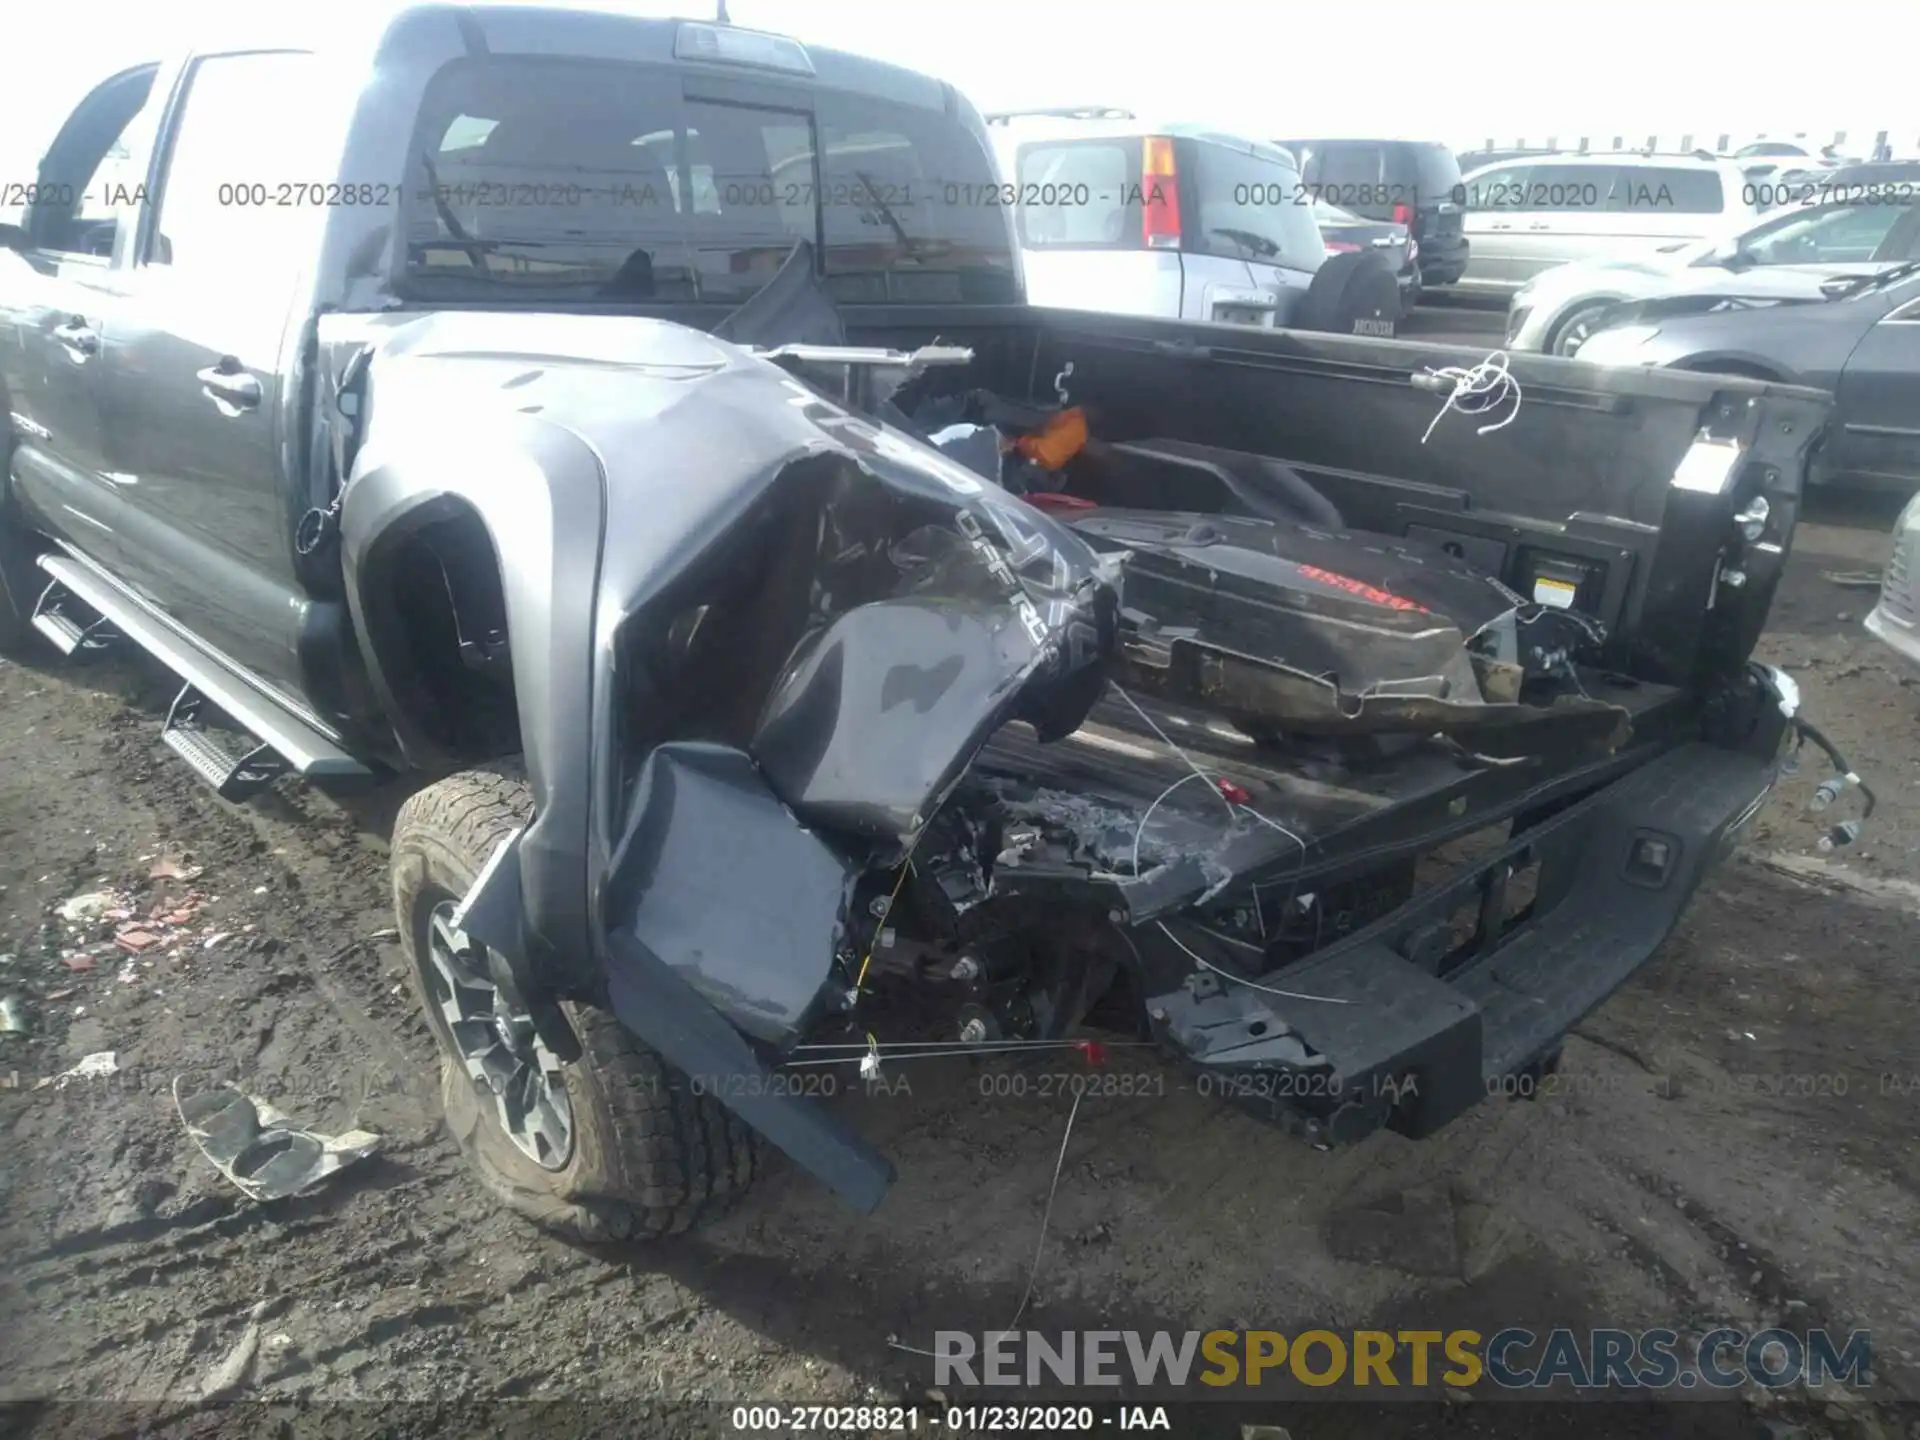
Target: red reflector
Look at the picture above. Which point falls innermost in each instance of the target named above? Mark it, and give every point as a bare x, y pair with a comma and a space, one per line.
1340, 247
1403, 214
1159, 194
1373, 594
1235, 794
1095, 1052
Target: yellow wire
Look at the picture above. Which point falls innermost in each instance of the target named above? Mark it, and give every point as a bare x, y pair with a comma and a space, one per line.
905, 866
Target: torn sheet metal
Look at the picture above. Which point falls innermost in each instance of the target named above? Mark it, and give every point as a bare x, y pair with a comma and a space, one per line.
259, 1150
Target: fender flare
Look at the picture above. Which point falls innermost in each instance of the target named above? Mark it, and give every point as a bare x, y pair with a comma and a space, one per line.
540, 494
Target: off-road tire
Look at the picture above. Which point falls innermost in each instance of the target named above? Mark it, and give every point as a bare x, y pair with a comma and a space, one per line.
650, 1156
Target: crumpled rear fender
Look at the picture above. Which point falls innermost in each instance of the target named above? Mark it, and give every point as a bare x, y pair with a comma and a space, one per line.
866, 613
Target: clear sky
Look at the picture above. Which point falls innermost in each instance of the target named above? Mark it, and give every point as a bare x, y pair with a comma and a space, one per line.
1459, 73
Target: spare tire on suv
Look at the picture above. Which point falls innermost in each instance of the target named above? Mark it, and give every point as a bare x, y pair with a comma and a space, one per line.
1353, 293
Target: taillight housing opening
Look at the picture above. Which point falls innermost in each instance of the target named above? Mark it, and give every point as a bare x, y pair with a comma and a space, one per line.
1159, 194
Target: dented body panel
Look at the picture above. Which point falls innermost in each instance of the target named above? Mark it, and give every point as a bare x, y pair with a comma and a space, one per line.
777, 644
819, 715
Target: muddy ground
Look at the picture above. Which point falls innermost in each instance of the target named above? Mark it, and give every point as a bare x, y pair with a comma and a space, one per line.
1735, 1137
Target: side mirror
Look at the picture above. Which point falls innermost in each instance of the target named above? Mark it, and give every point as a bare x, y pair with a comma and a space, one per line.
12, 237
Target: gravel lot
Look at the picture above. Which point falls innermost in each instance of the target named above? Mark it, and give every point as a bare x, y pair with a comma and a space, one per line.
1735, 1139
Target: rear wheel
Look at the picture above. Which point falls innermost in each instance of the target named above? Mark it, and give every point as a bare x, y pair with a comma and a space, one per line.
614, 1146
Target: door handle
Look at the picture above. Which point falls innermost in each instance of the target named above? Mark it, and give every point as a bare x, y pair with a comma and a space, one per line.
80, 339
230, 388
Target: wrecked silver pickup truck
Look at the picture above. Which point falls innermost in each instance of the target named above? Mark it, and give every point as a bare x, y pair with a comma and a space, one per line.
824, 651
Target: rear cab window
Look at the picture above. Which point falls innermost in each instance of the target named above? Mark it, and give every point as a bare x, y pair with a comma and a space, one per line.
563, 179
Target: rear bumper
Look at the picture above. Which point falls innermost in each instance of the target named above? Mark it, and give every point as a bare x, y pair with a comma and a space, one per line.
1427, 1029
1443, 260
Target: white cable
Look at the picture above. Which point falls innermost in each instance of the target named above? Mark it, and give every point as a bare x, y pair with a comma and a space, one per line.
1477, 390
1168, 741
1229, 975
1046, 1217
1141, 828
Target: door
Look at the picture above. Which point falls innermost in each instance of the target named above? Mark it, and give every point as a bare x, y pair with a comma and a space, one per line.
1839, 239
196, 354
1562, 217
1252, 210
1649, 206
1878, 401
1495, 215
1079, 218
51, 332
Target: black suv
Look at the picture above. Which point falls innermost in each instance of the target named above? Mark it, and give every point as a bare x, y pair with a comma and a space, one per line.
1411, 182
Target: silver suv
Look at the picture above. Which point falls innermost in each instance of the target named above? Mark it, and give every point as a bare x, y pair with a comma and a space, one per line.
1166, 220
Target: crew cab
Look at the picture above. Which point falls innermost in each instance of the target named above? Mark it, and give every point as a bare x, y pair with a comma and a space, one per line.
806, 648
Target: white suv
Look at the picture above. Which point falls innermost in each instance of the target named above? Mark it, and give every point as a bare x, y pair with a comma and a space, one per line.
1167, 220
1525, 216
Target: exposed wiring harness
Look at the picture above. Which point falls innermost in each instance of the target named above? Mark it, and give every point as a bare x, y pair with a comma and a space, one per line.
1473, 390
1830, 789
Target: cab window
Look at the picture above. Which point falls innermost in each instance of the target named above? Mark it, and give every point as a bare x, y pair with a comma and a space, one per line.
96, 169
1838, 234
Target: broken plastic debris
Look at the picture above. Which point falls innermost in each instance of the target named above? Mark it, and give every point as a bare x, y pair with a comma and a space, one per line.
1852, 579
171, 869
213, 940
12, 1020
90, 906
255, 1147
135, 941
79, 960
91, 1067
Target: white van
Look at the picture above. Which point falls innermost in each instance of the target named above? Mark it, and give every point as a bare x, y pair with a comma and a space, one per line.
1528, 215
1171, 221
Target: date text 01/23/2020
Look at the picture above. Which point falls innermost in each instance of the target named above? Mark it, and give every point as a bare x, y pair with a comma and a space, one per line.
960, 1419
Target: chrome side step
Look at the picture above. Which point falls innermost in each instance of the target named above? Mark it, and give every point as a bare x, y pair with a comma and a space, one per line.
286, 744
229, 776
69, 624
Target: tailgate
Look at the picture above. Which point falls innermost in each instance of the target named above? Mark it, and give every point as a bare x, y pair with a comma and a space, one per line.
1441, 219
1629, 480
